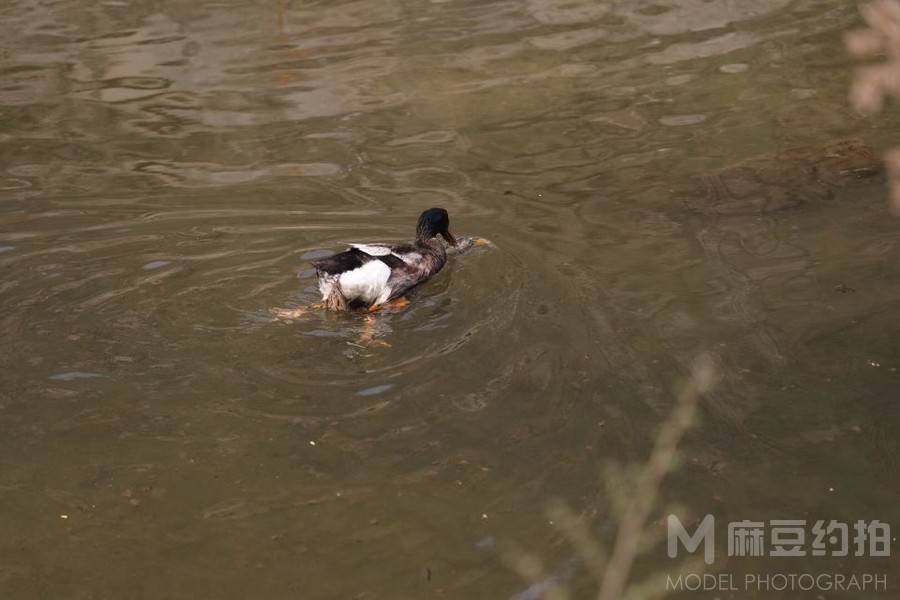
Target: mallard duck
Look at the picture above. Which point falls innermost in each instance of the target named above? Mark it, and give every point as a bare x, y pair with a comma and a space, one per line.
372, 275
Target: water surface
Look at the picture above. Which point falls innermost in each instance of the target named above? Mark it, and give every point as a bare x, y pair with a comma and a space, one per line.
168, 169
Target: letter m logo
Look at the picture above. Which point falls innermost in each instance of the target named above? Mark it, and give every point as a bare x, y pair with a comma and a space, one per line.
705, 533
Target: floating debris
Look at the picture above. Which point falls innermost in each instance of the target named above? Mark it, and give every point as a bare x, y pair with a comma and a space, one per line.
734, 68
680, 120
541, 589
488, 542
75, 375
156, 264
375, 390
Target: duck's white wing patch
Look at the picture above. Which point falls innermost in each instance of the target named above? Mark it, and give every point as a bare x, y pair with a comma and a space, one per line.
368, 283
372, 249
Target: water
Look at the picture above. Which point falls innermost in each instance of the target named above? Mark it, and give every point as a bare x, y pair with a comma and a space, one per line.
169, 168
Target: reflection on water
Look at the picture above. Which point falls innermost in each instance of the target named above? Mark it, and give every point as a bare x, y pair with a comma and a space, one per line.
660, 178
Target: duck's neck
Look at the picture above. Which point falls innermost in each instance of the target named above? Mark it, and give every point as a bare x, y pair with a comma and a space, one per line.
432, 244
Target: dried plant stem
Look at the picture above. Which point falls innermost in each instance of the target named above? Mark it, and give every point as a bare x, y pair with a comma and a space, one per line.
578, 533
875, 82
628, 538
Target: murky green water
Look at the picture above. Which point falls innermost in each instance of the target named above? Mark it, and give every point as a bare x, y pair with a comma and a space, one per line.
168, 168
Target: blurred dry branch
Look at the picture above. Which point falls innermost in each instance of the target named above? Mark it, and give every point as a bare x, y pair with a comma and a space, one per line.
637, 515
877, 81
638, 497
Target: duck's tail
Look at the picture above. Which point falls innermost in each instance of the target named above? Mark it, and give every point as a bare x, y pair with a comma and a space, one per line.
332, 295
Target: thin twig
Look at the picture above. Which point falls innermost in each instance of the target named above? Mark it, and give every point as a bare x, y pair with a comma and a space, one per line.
625, 548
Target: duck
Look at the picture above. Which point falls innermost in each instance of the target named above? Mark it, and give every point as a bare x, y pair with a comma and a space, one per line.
375, 275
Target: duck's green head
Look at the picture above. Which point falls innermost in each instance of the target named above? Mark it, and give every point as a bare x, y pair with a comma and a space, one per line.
432, 222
